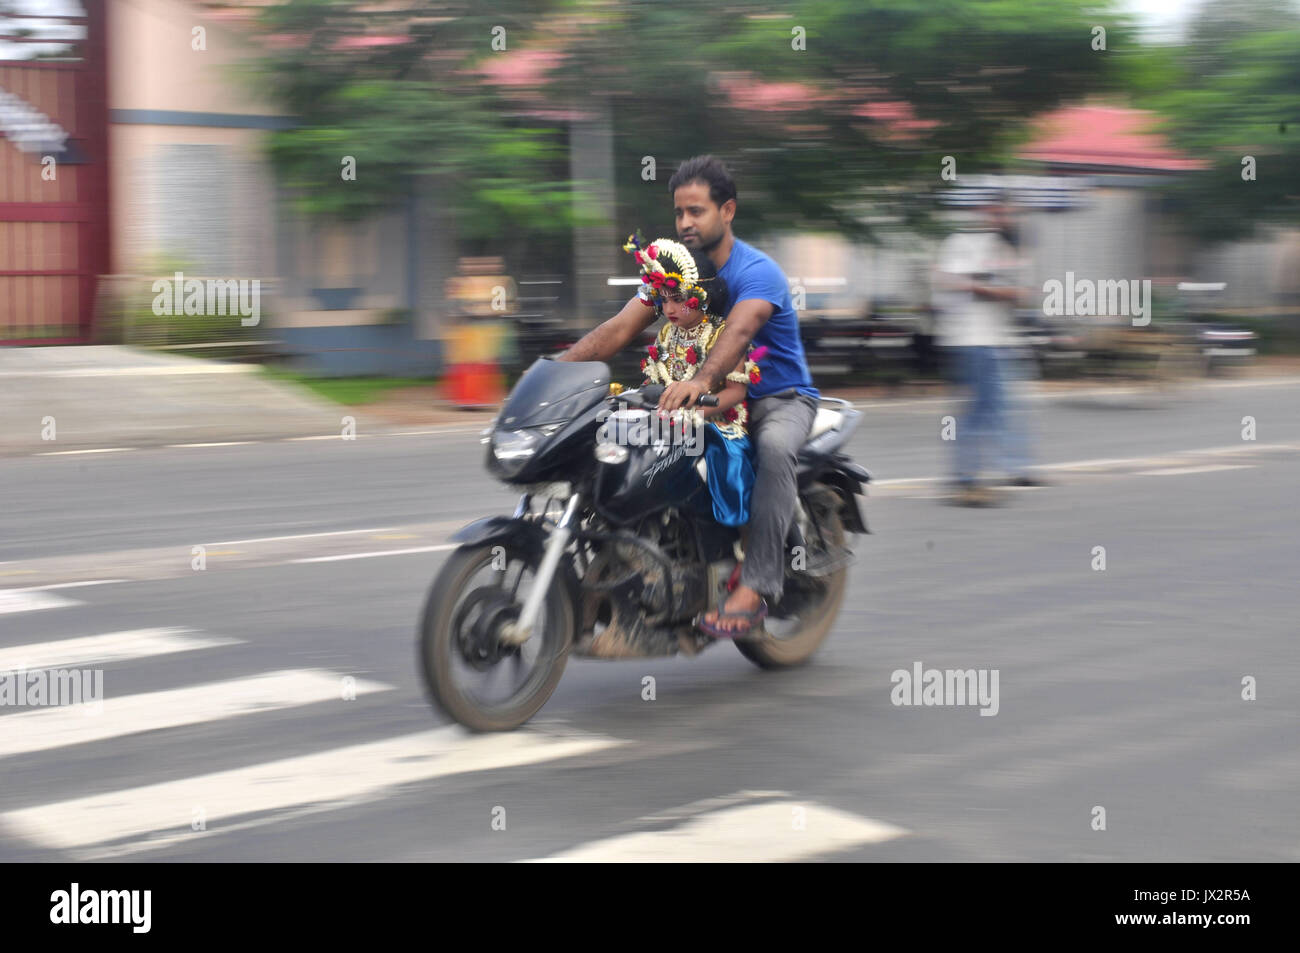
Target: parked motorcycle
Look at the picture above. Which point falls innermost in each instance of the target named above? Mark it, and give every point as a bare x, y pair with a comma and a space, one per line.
613, 551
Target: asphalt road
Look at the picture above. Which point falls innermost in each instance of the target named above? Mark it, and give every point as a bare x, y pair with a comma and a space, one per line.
224, 734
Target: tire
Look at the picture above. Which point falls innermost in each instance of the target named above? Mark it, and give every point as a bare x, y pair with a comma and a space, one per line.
770, 652
437, 647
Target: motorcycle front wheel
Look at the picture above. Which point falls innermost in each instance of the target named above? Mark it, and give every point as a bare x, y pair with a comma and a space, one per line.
470, 675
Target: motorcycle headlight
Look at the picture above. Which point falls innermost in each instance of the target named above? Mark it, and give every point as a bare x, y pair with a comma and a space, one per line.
514, 448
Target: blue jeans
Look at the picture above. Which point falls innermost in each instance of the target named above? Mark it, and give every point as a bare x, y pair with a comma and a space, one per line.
993, 432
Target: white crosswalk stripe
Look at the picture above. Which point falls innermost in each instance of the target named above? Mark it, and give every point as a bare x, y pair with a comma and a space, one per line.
109, 647
748, 826
42, 729
766, 831
30, 600
160, 814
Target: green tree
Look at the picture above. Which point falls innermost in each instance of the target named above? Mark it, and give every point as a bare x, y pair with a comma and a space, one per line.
834, 113
1232, 91
825, 108
398, 88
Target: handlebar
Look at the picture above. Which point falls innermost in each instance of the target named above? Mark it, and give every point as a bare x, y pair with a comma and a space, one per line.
648, 396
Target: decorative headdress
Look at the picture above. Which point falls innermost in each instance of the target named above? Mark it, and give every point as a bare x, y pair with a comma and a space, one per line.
667, 265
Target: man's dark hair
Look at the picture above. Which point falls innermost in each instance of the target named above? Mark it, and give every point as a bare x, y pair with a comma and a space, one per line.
712, 282
707, 169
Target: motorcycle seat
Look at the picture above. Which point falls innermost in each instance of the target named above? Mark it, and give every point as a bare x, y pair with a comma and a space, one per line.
827, 419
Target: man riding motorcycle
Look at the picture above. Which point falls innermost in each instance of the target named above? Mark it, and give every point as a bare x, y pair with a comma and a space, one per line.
783, 404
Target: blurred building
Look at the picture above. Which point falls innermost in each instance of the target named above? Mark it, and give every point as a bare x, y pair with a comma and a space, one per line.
54, 187
156, 136
132, 145
1087, 186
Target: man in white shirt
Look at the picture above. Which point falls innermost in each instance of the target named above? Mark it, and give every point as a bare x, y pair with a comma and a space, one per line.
977, 282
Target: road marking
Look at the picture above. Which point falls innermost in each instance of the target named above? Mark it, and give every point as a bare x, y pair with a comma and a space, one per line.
1172, 457
749, 833
387, 552
109, 647
422, 433
1100, 463
904, 480
1246, 446
65, 453
327, 436
158, 814
1209, 468
221, 443
47, 728
205, 367
274, 539
28, 600
64, 585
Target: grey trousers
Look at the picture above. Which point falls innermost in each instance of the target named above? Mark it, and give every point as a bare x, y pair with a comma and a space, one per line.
778, 425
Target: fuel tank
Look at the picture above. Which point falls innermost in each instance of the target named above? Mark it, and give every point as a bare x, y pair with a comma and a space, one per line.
663, 467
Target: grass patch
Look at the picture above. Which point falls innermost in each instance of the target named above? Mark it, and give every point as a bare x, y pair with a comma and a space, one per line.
349, 391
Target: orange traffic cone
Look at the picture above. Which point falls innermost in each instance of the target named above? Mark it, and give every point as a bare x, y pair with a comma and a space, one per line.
475, 385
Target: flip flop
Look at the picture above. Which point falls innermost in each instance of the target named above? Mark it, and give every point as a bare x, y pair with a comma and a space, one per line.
753, 618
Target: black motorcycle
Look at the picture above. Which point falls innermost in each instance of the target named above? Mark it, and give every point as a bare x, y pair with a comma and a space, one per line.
613, 550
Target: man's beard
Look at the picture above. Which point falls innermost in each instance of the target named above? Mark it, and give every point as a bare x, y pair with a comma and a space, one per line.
706, 246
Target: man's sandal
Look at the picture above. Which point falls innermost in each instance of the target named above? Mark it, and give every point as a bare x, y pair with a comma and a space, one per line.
754, 619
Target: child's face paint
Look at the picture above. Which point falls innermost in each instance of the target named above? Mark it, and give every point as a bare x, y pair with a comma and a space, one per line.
680, 315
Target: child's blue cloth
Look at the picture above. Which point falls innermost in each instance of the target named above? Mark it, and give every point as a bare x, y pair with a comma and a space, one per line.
730, 465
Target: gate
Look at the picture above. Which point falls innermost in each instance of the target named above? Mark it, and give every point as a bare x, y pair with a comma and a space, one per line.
54, 239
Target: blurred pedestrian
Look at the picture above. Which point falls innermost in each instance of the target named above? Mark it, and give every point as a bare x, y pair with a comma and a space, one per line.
978, 281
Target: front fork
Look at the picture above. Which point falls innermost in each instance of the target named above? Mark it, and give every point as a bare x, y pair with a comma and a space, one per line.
518, 632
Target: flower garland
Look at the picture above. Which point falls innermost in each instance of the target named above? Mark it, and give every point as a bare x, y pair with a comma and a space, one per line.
655, 278
680, 353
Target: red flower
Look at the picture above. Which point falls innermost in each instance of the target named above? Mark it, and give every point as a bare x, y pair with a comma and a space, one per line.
654, 352
691, 356
758, 353
652, 251
731, 415
643, 363
692, 302
754, 376
645, 277
671, 282
657, 279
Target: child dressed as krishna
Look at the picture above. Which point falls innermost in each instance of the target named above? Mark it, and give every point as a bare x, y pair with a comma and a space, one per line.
687, 292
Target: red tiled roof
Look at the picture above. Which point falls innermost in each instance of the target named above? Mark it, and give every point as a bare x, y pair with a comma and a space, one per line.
527, 68
1106, 137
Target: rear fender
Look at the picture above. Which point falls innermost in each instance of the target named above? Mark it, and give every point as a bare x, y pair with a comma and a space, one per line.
847, 487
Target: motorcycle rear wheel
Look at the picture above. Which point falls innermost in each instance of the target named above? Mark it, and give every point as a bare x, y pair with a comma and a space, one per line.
771, 651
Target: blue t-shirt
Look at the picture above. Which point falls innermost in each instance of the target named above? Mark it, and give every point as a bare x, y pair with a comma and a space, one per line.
751, 274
